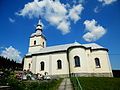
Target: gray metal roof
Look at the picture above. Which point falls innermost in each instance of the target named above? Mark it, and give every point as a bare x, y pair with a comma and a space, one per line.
92, 45
65, 47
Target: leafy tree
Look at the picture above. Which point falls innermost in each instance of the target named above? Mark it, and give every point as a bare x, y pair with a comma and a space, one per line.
8, 64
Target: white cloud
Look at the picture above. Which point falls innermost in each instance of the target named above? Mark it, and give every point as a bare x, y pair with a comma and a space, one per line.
11, 20
64, 26
96, 9
12, 54
54, 12
94, 31
78, 1
75, 12
107, 2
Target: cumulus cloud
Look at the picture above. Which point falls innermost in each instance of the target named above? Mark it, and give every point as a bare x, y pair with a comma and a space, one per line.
64, 26
11, 20
55, 12
75, 11
94, 31
12, 54
107, 2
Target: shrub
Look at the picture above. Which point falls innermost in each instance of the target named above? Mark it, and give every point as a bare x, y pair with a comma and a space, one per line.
15, 84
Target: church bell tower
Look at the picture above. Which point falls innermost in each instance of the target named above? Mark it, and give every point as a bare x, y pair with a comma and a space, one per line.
37, 39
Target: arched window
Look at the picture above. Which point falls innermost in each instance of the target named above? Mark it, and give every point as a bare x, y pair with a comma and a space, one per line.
97, 62
43, 44
77, 61
29, 65
42, 65
59, 64
35, 42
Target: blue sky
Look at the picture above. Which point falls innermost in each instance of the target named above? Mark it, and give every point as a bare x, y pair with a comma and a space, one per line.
16, 25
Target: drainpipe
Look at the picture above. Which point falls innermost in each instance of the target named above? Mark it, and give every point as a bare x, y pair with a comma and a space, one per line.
68, 62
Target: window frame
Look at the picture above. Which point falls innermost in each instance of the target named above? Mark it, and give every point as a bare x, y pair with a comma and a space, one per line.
42, 66
29, 65
77, 61
97, 62
34, 42
59, 64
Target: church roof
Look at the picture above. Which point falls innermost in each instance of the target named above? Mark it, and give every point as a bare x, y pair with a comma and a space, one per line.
93, 45
64, 47
38, 30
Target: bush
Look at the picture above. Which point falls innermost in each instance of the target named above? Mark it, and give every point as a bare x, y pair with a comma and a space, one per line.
9, 79
44, 85
4, 77
33, 85
16, 85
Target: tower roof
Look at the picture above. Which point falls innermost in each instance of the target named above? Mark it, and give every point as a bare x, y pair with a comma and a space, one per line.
38, 31
39, 26
39, 22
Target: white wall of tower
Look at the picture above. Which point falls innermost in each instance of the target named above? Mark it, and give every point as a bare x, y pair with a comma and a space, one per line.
40, 43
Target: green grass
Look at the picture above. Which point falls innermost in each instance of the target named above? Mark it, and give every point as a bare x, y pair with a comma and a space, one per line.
97, 83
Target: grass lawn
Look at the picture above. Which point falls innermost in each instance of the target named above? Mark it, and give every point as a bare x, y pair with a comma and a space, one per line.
97, 83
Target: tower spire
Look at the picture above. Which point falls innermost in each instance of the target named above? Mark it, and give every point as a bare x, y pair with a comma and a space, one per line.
39, 22
39, 25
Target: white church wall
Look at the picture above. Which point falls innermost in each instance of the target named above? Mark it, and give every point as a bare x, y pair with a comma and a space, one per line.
45, 59
89, 64
83, 60
50, 61
34, 64
105, 66
63, 58
39, 40
27, 61
109, 64
39, 44
34, 49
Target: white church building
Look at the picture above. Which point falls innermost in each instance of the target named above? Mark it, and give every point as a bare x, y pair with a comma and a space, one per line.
72, 59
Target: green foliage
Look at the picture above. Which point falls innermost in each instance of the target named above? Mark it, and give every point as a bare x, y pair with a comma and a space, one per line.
4, 77
42, 85
8, 64
98, 83
10, 80
15, 84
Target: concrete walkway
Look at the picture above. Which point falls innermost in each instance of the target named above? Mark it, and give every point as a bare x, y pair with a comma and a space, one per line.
66, 85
